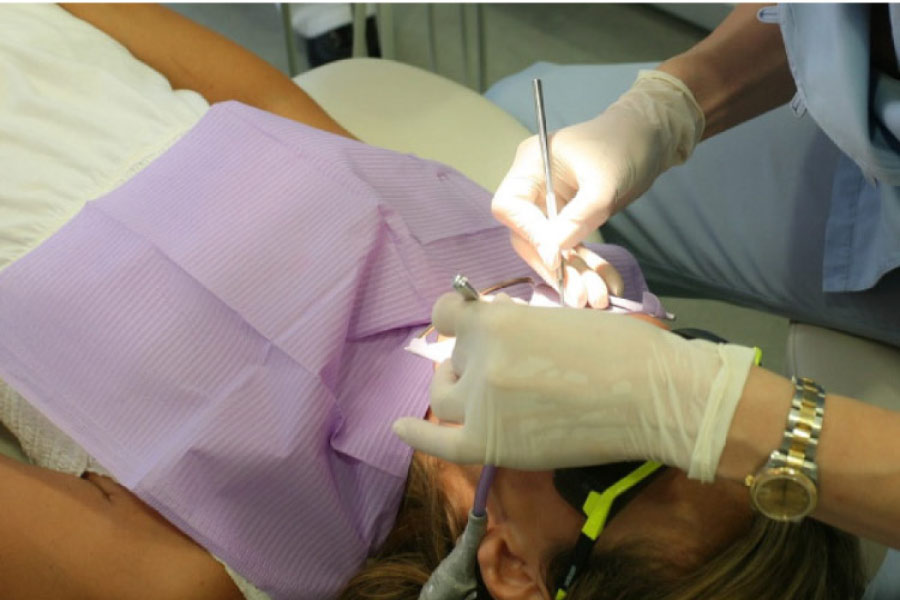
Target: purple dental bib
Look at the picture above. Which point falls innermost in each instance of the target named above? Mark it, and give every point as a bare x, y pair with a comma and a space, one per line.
225, 334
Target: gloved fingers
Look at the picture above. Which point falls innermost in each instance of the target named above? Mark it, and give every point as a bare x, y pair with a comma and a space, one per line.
445, 402
611, 277
443, 441
519, 200
591, 206
446, 311
595, 288
575, 292
584, 283
530, 255
504, 298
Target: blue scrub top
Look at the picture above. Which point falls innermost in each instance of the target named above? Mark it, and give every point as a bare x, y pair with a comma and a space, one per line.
858, 107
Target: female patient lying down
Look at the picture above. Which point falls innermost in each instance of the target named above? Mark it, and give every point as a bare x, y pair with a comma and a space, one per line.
224, 334
221, 339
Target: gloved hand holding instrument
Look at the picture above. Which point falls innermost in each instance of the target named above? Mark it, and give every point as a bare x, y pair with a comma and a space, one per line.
540, 388
599, 167
597, 491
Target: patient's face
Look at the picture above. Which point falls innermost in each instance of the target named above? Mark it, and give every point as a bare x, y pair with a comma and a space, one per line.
687, 518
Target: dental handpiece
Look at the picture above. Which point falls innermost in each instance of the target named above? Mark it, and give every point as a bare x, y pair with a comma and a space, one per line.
468, 291
548, 174
462, 285
455, 578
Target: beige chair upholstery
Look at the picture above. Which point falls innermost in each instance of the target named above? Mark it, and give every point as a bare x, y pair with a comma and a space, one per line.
845, 364
407, 109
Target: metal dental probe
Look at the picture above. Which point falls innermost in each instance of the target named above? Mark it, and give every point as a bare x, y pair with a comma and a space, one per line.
548, 174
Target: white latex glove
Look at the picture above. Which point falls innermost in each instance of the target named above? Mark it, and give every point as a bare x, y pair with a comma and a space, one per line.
540, 388
599, 166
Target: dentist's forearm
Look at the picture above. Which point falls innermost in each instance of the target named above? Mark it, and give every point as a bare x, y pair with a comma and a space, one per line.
858, 455
193, 57
737, 72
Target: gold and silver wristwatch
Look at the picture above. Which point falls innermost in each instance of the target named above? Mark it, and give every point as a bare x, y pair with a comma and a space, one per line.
785, 489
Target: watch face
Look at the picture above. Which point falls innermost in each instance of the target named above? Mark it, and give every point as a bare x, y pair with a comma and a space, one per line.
784, 494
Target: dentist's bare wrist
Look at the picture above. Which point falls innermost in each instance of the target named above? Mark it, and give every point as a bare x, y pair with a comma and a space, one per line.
758, 424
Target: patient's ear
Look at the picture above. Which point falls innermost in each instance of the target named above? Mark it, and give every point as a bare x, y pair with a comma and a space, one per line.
508, 573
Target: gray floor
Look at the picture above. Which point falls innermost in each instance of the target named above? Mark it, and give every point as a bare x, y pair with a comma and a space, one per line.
515, 36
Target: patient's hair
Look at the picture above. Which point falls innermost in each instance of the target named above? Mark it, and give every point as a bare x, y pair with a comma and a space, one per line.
770, 561
424, 533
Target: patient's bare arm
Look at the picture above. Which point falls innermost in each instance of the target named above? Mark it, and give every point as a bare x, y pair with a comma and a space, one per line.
193, 57
69, 538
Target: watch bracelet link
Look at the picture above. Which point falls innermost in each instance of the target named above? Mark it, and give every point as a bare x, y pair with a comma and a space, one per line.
804, 426
801, 435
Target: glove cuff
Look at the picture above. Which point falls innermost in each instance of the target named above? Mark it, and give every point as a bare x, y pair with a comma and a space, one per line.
685, 118
724, 394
